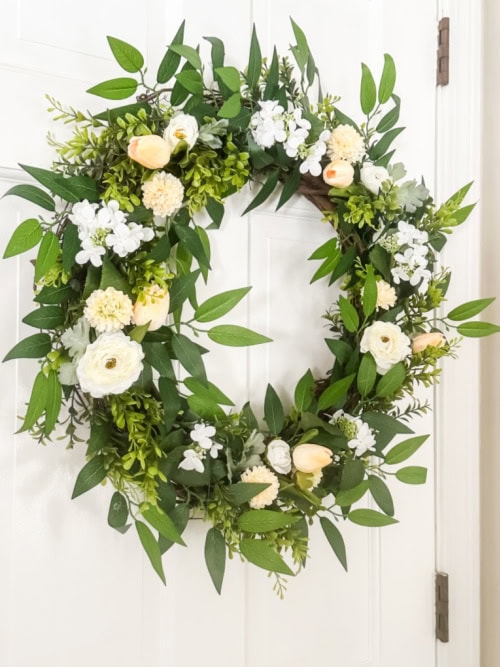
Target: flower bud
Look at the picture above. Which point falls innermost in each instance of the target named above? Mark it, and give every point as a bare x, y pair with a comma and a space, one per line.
338, 174
152, 306
433, 339
151, 151
311, 458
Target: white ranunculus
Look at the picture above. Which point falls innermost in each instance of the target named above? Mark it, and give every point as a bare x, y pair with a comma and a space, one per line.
387, 344
182, 127
278, 455
152, 306
110, 365
372, 177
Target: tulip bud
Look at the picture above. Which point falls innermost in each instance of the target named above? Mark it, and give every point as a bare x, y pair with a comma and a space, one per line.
311, 458
338, 174
152, 306
433, 339
151, 151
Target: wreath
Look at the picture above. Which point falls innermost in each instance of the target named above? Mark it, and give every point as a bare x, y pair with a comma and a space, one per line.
120, 252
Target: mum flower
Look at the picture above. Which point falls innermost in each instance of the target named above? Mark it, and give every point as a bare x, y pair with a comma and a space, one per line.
163, 194
345, 143
262, 475
108, 310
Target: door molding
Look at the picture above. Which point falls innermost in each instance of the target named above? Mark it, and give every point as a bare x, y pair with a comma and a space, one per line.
457, 398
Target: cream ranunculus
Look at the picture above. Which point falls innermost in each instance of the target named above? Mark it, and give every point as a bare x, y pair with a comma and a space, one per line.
372, 177
278, 455
387, 344
151, 151
182, 127
152, 306
110, 365
338, 174
310, 458
432, 339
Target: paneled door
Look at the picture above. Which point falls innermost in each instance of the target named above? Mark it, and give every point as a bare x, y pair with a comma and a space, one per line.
73, 592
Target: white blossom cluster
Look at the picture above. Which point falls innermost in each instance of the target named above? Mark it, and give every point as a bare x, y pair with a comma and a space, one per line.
412, 262
273, 124
102, 227
201, 435
360, 436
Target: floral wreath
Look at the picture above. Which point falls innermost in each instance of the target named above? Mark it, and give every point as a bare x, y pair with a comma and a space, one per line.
119, 256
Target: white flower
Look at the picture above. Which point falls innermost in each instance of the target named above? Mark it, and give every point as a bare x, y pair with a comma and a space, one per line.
386, 295
67, 373
163, 193
312, 155
182, 127
202, 434
90, 253
408, 234
127, 238
360, 436
346, 144
110, 365
268, 124
76, 339
262, 475
297, 132
152, 306
338, 174
83, 215
193, 460
215, 449
278, 455
372, 177
387, 344
108, 310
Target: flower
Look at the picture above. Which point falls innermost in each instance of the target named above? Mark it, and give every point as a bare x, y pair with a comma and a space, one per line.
151, 306
110, 365
95, 226
386, 295
431, 339
76, 339
163, 193
108, 310
262, 475
386, 343
338, 174
372, 177
312, 155
202, 434
90, 253
67, 373
127, 238
182, 127
360, 436
346, 143
268, 124
150, 151
278, 455
311, 458
193, 460
297, 132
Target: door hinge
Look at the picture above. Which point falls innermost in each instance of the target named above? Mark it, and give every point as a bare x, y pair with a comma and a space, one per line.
442, 607
443, 52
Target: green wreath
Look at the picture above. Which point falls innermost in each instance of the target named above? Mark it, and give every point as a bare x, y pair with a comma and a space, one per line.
119, 256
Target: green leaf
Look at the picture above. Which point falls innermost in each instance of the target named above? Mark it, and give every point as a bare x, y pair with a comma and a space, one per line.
352, 474
100, 432
170, 62
182, 288
180, 516
262, 554
220, 304
115, 89
386, 426
254, 61
304, 391
370, 292
32, 347
412, 475
381, 147
335, 539
48, 253
163, 524
231, 107
325, 250
191, 55
126, 55
265, 192
112, 277
301, 52
205, 407
46, 317
54, 295
215, 557
350, 496
368, 94
349, 314
264, 521
462, 214
191, 81
273, 411
151, 548
189, 356
390, 119
290, 186
242, 492
328, 266
208, 391
387, 80
217, 53
37, 402
193, 243
111, 115
171, 400
335, 392
138, 332
118, 511
230, 77
340, 349
215, 210
477, 329
469, 309
236, 336
70, 246
370, 518
381, 494
157, 356
92, 474
26, 236
53, 402
367, 374
33, 194
405, 449
391, 381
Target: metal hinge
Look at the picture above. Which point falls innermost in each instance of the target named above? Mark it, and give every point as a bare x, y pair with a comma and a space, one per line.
443, 52
442, 607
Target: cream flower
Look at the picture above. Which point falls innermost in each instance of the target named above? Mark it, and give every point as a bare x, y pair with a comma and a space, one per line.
182, 127
278, 455
346, 144
310, 458
76, 339
386, 295
151, 151
163, 193
432, 339
152, 306
338, 174
108, 310
110, 365
372, 177
387, 344
262, 475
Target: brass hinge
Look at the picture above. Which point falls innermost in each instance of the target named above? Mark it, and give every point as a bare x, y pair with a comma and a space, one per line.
442, 607
443, 52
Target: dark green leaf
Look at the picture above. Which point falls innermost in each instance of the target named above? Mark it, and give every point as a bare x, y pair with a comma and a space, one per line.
180, 517
191, 55
371, 518
335, 539
170, 62
218, 51
112, 277
215, 557
367, 374
390, 119
115, 89
381, 260
335, 392
193, 243
46, 317
368, 94
242, 492
33, 194
469, 309
215, 210
171, 400
48, 253
381, 495
350, 496
352, 475
381, 147
92, 474
151, 548
70, 246
386, 426
118, 510
262, 554
370, 292
412, 475
340, 349
163, 524
477, 329
191, 81
254, 62
264, 521
100, 432
387, 80
391, 381
182, 288
53, 402
220, 304
37, 402
209, 391
26, 236
349, 314
157, 356
405, 449
329, 265
32, 347
236, 336
325, 250
273, 411
290, 186
266, 190
304, 391
189, 355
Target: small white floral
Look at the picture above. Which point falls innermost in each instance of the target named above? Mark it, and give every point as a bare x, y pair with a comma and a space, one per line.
268, 124
372, 177
90, 253
127, 238
360, 436
202, 434
313, 154
67, 373
193, 460
76, 339
215, 449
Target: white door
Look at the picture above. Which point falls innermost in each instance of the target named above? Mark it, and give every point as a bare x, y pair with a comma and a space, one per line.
73, 592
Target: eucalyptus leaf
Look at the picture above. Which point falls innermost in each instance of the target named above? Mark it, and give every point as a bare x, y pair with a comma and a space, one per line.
387, 80
53, 401
368, 95
391, 381
118, 510
477, 329
335, 392
219, 305
33, 194
48, 252
242, 492
265, 521
37, 402
469, 309
304, 391
381, 494
162, 523
367, 374
170, 61
371, 518
412, 475
189, 356
349, 314
405, 449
